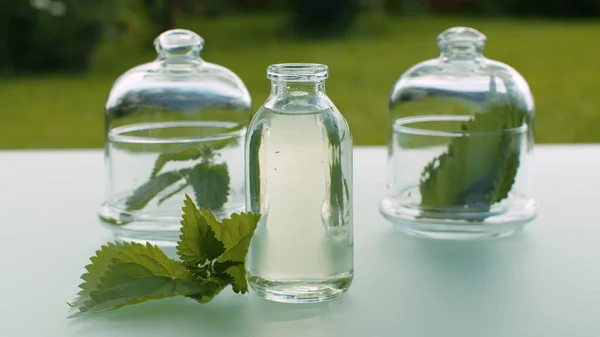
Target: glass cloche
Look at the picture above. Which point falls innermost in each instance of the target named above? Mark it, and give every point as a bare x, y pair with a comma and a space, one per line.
460, 143
174, 126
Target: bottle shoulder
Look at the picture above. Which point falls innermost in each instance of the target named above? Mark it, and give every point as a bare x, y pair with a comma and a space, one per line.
328, 119
319, 105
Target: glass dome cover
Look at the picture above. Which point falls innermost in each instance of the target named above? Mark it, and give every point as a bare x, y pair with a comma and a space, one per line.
174, 126
460, 139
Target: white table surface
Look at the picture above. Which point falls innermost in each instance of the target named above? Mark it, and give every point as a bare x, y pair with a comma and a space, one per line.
544, 282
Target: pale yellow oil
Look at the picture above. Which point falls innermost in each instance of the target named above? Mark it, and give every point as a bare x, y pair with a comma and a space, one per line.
302, 249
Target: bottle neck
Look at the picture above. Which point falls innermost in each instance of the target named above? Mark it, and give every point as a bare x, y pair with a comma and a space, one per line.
297, 88
461, 44
462, 52
180, 65
179, 50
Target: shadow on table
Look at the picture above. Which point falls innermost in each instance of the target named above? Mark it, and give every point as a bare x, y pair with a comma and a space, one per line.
455, 281
228, 315
464, 258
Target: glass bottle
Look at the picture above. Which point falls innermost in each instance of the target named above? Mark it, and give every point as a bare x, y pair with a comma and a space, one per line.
460, 144
173, 126
299, 177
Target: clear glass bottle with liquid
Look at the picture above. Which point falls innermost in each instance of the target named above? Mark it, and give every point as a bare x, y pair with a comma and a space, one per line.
299, 177
460, 144
173, 126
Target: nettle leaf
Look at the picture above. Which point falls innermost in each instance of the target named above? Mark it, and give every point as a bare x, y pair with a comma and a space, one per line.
193, 152
197, 243
211, 290
213, 256
223, 143
235, 234
235, 273
477, 170
208, 243
98, 268
221, 267
175, 192
150, 189
135, 273
130, 283
508, 164
184, 153
154, 259
210, 184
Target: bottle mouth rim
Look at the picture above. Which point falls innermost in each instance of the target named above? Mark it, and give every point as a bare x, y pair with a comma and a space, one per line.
297, 72
461, 36
178, 42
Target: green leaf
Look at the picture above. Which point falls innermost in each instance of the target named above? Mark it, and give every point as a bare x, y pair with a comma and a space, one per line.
211, 290
477, 170
338, 186
222, 143
193, 152
235, 234
213, 256
174, 192
221, 267
184, 153
98, 268
253, 167
150, 189
236, 273
197, 243
225, 243
130, 283
210, 184
126, 274
504, 181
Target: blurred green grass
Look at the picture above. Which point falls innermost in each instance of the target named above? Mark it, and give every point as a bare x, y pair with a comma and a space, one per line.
559, 60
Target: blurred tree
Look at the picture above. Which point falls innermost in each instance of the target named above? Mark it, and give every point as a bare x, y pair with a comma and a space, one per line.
130, 17
405, 6
161, 14
148, 18
321, 18
447, 5
488, 7
378, 6
215, 8
540, 8
50, 35
257, 5
554, 8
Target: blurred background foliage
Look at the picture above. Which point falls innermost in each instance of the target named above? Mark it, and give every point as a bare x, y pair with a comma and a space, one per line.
58, 58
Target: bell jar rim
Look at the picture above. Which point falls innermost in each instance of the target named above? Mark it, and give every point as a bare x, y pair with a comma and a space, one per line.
400, 125
123, 131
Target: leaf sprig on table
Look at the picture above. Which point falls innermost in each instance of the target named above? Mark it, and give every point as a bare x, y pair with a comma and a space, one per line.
212, 256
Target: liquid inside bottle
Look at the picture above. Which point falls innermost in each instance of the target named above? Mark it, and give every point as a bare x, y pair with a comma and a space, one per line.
299, 170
